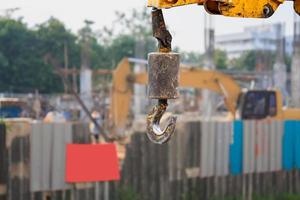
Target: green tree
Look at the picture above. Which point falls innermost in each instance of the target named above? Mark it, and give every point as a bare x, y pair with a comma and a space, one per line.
134, 30
54, 37
22, 52
288, 61
247, 61
21, 65
252, 59
220, 58
100, 57
92, 51
192, 58
122, 46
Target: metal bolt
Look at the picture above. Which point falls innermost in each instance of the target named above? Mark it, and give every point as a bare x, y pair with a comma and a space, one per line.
268, 11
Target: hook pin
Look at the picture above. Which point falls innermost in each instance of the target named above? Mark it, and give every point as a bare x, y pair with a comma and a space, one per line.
154, 132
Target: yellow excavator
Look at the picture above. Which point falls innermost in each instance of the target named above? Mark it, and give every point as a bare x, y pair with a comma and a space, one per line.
251, 104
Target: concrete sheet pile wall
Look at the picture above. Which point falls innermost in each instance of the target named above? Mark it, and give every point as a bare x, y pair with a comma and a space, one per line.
189, 166
3, 160
80, 133
48, 154
262, 146
206, 160
48, 143
15, 160
203, 160
215, 144
32, 162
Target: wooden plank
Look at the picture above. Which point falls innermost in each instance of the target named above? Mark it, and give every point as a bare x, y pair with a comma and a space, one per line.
80, 133
200, 154
178, 164
135, 164
61, 137
220, 147
3, 157
259, 146
204, 149
223, 134
207, 150
17, 143
152, 163
186, 159
195, 130
165, 170
212, 148
144, 166
226, 151
249, 147
36, 156
138, 169
173, 156
266, 147
272, 139
250, 186
279, 135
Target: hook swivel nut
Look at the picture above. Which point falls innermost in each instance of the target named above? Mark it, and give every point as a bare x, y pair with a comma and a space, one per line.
163, 75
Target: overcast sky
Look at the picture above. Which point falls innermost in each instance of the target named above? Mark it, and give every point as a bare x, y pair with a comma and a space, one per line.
186, 23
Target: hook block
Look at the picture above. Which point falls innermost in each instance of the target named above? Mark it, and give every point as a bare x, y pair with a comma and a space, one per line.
163, 75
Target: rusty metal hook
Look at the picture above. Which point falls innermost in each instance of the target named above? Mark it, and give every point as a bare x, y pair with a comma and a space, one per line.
154, 132
163, 80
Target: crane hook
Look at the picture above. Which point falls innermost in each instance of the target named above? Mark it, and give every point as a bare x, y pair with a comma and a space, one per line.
154, 132
162, 80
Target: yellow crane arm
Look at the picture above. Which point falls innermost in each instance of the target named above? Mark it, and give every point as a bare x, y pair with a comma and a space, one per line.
297, 6
231, 8
123, 80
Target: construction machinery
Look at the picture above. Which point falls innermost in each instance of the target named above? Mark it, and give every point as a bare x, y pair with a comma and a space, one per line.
230, 8
250, 104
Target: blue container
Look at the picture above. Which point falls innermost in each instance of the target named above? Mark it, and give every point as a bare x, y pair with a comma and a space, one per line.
10, 112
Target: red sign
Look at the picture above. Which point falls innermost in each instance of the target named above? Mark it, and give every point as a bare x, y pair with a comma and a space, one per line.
91, 163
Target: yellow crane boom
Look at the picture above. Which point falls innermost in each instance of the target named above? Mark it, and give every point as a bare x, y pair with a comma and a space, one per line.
230, 8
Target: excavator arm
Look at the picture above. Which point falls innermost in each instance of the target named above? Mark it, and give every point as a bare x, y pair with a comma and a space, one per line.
123, 80
230, 8
121, 94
